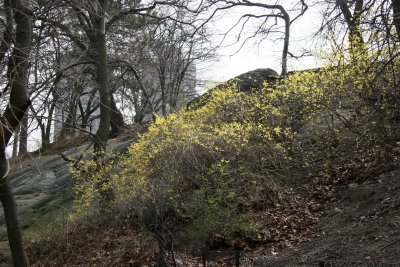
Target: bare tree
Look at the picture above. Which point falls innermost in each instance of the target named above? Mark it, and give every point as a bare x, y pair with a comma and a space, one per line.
368, 23
163, 65
353, 19
267, 16
17, 107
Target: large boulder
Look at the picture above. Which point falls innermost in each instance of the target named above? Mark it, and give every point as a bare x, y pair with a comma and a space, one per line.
254, 79
245, 82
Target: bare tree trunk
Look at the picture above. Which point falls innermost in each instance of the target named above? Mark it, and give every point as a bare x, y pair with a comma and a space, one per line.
102, 134
285, 50
102, 80
357, 47
161, 74
117, 120
396, 17
45, 141
14, 113
23, 135
47, 133
11, 217
15, 143
68, 127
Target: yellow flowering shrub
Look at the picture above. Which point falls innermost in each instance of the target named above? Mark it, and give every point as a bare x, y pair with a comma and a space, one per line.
199, 162
91, 179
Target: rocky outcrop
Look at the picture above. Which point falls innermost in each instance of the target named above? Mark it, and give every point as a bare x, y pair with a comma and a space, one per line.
255, 79
245, 82
42, 186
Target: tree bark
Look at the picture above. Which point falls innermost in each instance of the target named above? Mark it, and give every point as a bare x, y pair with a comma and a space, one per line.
68, 129
23, 136
102, 133
15, 144
10, 213
162, 79
15, 111
46, 138
117, 120
396, 17
285, 49
357, 47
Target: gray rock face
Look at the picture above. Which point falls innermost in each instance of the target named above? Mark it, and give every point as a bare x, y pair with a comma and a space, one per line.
245, 82
42, 185
254, 79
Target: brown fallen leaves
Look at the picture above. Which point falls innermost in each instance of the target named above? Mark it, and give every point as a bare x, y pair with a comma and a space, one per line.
95, 246
285, 219
364, 166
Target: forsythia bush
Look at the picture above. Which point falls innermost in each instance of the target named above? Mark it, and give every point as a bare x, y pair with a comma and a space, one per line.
219, 151
216, 163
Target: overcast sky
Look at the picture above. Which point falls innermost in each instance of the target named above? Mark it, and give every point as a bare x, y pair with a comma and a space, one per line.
268, 53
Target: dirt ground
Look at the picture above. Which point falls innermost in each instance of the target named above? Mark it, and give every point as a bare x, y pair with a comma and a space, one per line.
363, 227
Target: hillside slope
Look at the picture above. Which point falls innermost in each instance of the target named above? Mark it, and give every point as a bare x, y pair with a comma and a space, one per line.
42, 185
300, 172
362, 226
359, 225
